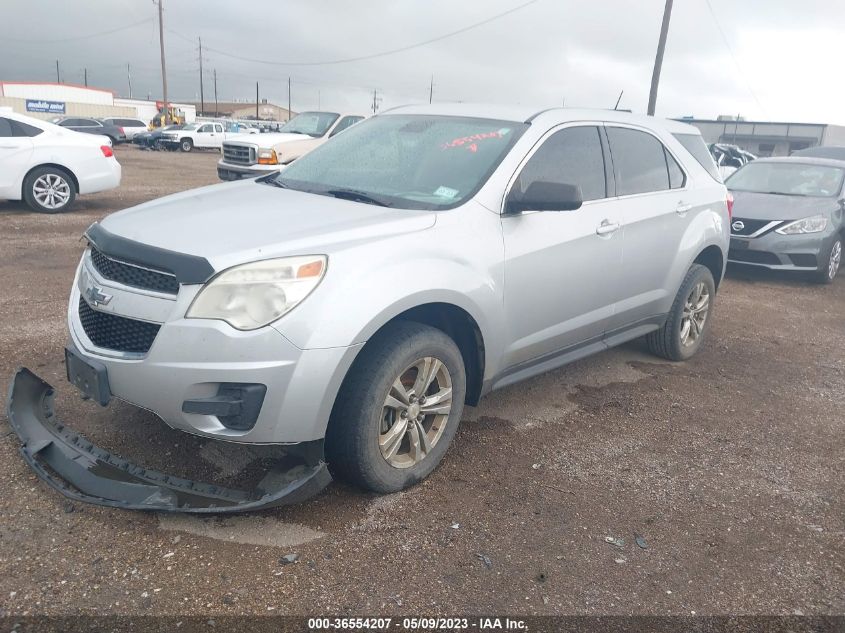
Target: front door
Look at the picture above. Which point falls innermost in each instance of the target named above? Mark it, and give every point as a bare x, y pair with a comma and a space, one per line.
15, 152
562, 267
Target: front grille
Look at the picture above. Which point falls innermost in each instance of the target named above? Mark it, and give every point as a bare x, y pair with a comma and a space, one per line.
133, 275
754, 257
238, 154
116, 332
750, 226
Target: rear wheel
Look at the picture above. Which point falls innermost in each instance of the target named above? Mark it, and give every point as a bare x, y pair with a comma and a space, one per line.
689, 318
49, 190
829, 265
186, 145
398, 408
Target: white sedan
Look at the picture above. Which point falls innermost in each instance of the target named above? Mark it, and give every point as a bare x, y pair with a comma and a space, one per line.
46, 166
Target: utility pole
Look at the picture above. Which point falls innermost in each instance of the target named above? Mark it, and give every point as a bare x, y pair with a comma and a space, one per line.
288, 98
375, 101
658, 60
129, 79
58, 81
216, 109
256, 100
202, 95
163, 66
431, 90
85, 75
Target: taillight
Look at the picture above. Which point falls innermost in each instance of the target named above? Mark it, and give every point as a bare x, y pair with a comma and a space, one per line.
106, 150
121, 131
730, 200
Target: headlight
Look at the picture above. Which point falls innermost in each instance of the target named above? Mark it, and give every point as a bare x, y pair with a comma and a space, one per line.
267, 157
814, 224
250, 296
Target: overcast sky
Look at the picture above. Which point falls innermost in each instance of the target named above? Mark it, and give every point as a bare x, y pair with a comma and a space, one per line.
772, 59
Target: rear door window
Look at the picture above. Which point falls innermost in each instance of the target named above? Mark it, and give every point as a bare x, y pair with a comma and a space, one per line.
639, 161
573, 156
346, 122
677, 178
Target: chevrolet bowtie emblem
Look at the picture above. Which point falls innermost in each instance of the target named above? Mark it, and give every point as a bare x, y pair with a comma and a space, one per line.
96, 297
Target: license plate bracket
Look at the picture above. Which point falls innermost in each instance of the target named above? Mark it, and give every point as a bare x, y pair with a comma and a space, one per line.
738, 245
89, 376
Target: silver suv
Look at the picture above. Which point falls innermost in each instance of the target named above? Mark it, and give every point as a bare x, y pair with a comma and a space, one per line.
351, 305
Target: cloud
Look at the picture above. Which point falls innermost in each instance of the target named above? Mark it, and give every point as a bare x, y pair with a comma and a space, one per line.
784, 53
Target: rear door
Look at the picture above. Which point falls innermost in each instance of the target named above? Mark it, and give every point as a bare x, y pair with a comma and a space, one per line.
653, 196
15, 152
561, 267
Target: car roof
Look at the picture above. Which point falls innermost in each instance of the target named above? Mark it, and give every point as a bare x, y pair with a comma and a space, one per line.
803, 160
519, 113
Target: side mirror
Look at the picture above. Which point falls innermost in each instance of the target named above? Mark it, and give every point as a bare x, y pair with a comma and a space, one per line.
545, 196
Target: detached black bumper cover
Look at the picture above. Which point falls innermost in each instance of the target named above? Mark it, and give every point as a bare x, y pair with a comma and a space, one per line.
84, 472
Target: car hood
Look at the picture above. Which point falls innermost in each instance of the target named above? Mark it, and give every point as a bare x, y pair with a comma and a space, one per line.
274, 138
768, 206
236, 222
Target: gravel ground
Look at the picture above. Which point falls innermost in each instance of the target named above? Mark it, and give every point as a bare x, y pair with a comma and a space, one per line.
729, 468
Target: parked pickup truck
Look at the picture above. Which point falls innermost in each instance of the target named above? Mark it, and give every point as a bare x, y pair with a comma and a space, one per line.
248, 157
201, 135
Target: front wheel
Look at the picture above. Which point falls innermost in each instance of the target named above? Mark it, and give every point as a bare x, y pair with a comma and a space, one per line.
689, 318
186, 145
829, 266
49, 190
398, 409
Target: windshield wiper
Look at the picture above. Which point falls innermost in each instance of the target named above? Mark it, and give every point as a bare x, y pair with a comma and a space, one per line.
357, 196
273, 180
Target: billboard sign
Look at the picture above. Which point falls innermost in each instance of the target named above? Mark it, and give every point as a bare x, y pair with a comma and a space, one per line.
39, 105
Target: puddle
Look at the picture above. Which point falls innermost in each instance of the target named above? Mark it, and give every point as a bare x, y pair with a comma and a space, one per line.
248, 530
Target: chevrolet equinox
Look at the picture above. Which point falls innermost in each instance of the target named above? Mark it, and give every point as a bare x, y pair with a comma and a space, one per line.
349, 306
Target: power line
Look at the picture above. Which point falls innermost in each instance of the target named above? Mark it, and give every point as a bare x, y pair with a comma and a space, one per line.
373, 55
733, 57
81, 37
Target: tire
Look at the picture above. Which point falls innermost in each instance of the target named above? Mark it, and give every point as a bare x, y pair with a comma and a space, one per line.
362, 418
682, 334
49, 190
831, 259
186, 145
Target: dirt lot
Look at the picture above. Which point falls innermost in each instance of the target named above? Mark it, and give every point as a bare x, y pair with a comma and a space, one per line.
730, 467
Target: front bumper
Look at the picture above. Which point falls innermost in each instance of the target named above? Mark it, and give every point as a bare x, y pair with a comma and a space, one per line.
782, 252
192, 359
84, 472
231, 171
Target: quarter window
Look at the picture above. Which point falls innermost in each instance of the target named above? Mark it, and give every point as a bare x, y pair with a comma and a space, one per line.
573, 156
639, 161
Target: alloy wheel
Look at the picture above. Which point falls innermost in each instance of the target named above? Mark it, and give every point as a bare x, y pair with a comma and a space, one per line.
415, 413
51, 191
835, 259
696, 309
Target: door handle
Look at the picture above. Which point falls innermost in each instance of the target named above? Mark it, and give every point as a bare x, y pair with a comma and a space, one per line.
682, 207
607, 227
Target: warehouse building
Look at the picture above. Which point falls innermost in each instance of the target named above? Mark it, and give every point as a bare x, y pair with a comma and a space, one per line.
49, 100
244, 110
766, 138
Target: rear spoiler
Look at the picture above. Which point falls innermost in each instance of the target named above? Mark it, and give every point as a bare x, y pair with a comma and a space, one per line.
84, 472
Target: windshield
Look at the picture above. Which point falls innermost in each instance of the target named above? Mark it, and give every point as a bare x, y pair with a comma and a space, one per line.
406, 161
788, 179
310, 123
